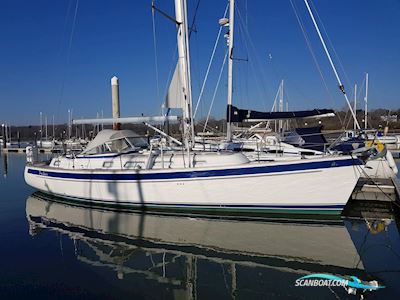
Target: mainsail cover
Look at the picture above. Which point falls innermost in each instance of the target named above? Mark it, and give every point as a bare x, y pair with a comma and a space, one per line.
246, 115
175, 95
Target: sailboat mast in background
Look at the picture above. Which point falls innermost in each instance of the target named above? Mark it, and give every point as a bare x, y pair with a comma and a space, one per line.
355, 107
366, 102
230, 67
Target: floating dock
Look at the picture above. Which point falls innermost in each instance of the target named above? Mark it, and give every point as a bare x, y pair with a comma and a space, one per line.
374, 199
395, 153
23, 150
383, 190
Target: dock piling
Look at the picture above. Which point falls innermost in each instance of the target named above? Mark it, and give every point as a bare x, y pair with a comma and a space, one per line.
115, 101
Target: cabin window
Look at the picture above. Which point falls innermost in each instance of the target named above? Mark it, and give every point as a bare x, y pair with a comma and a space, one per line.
99, 150
130, 165
138, 142
118, 145
133, 164
107, 164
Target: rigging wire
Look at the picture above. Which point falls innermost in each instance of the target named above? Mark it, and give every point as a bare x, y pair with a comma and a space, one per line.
309, 46
360, 89
239, 79
195, 49
216, 89
341, 87
352, 97
155, 49
73, 30
193, 25
60, 49
209, 65
264, 89
65, 27
68, 57
267, 125
346, 121
330, 43
250, 46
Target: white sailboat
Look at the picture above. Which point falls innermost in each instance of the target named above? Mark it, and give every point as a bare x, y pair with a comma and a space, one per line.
114, 169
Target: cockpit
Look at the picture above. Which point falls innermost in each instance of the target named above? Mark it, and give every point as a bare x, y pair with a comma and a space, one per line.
115, 141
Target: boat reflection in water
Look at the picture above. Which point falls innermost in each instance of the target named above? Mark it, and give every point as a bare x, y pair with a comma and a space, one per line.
208, 256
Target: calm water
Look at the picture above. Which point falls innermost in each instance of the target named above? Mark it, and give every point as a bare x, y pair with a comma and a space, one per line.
53, 250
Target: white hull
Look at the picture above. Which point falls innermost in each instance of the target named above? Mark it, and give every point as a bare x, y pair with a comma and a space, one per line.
323, 184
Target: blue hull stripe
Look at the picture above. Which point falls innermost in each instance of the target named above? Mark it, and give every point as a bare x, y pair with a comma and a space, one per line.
199, 174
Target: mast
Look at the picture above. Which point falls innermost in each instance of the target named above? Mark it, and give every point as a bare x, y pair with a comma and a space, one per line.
45, 124
83, 131
355, 107
9, 134
230, 68
287, 109
184, 70
54, 135
102, 116
281, 105
41, 126
69, 123
188, 74
366, 101
276, 109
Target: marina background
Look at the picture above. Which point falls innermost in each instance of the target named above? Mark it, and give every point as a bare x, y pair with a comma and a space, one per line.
56, 60
61, 56
64, 261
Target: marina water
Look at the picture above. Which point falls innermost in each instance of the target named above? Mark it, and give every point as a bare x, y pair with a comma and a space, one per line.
56, 250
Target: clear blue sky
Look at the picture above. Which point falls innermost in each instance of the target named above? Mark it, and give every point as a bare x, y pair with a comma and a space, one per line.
40, 70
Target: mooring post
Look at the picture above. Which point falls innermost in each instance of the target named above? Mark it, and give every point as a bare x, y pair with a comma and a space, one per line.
115, 101
3, 132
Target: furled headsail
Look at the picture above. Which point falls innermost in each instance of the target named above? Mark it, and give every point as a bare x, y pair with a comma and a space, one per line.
246, 115
175, 95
